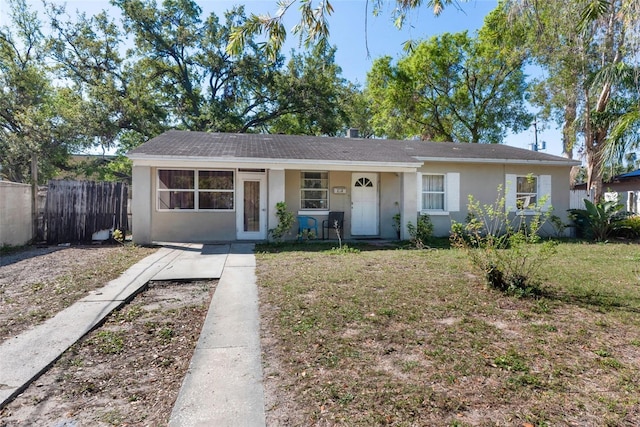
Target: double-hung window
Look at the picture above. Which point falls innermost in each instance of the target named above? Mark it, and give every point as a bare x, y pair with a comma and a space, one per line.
195, 189
314, 190
526, 191
525, 194
433, 192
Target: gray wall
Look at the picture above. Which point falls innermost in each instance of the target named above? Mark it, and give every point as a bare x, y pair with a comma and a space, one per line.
482, 181
15, 214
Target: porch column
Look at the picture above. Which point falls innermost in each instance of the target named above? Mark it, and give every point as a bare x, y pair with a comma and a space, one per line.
276, 195
141, 204
409, 209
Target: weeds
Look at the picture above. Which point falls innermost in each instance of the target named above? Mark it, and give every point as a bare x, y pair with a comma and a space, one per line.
510, 253
109, 342
422, 232
285, 222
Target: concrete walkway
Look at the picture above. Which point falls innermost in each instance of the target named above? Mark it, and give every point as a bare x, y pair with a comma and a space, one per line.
223, 386
224, 382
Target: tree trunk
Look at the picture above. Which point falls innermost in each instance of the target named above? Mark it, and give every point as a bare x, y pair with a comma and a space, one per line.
569, 136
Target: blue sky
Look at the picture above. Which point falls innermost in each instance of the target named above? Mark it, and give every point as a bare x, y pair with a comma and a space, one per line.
347, 26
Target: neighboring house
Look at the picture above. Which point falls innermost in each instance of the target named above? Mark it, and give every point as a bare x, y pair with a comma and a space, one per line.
195, 186
620, 183
626, 185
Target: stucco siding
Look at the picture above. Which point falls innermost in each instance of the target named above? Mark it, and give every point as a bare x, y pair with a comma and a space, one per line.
185, 226
142, 196
482, 181
193, 226
390, 199
389, 192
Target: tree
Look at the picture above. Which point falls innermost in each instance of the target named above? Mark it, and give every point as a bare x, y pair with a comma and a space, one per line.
451, 88
38, 122
586, 48
202, 87
313, 26
313, 95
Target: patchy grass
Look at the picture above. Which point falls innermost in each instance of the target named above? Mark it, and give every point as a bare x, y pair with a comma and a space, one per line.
390, 336
128, 371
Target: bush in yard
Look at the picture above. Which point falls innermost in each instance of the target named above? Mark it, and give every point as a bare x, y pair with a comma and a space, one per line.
598, 221
630, 227
285, 222
509, 253
422, 232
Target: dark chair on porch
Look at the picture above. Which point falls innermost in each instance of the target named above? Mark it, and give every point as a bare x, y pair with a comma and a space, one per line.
330, 223
306, 226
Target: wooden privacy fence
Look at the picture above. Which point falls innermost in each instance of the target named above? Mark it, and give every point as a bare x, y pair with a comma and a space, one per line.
76, 209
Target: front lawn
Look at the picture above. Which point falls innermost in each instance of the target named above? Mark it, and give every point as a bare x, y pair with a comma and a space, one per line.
407, 337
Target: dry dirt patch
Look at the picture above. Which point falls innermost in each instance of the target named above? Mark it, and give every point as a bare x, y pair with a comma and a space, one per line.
37, 283
127, 372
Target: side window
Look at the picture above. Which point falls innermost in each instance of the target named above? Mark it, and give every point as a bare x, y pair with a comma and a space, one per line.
215, 190
439, 192
526, 191
314, 190
433, 192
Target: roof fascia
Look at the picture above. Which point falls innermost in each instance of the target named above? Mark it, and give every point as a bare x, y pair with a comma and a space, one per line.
254, 163
500, 161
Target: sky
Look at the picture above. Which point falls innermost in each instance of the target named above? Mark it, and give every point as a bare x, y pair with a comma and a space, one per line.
347, 32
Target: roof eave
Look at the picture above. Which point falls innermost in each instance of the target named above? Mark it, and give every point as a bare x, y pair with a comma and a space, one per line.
499, 161
271, 163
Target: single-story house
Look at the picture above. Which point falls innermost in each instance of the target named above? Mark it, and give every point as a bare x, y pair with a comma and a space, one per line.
199, 187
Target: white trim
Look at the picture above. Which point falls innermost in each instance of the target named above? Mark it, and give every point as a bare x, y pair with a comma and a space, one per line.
500, 161
452, 192
310, 212
543, 188
263, 163
261, 234
510, 184
301, 189
435, 213
369, 223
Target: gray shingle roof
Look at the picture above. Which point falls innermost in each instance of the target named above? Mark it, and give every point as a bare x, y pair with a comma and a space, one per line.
186, 144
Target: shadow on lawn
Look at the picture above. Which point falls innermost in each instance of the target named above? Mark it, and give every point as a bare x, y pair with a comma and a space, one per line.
597, 301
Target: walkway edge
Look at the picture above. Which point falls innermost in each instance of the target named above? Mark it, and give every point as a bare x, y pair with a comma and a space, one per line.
223, 386
24, 358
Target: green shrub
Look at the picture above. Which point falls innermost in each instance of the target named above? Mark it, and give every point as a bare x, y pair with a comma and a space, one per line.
598, 221
510, 253
630, 227
422, 232
285, 222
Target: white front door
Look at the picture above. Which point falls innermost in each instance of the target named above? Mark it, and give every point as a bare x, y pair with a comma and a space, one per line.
364, 204
251, 213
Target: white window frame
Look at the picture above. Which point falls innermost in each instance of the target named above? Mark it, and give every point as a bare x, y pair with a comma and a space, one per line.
543, 190
196, 190
524, 195
451, 186
443, 192
303, 189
